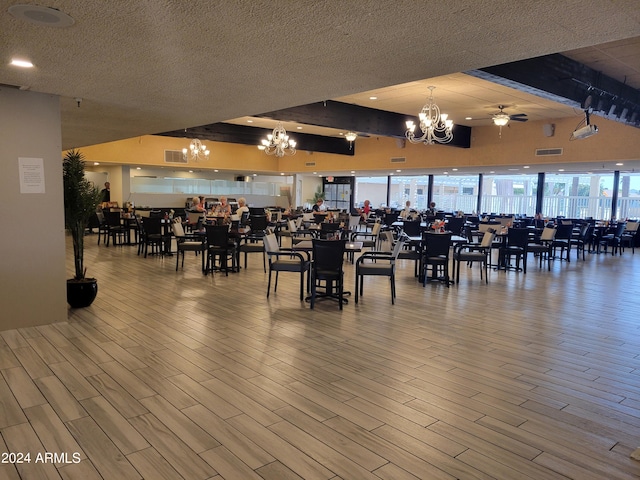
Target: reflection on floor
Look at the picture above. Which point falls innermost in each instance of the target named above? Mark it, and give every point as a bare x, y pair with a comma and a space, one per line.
177, 375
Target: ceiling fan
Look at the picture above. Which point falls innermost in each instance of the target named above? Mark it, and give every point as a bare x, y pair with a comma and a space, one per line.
501, 118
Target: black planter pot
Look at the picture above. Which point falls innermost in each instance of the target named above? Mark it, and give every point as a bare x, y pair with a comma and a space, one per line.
81, 293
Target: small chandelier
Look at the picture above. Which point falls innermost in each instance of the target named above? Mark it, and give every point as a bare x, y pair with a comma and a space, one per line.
278, 143
197, 151
435, 126
351, 137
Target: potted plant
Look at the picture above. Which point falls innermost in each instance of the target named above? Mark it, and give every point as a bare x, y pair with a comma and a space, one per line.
81, 198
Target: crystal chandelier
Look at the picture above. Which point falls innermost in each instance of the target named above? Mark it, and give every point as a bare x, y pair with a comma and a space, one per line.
196, 151
435, 126
278, 143
351, 137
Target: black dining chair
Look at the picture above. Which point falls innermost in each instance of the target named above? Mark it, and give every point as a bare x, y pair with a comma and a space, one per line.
151, 235
116, 229
471, 253
220, 246
614, 239
187, 243
378, 264
285, 260
562, 240
326, 270
435, 257
543, 247
515, 246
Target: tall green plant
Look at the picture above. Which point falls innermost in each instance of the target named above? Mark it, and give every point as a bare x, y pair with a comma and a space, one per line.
319, 194
81, 198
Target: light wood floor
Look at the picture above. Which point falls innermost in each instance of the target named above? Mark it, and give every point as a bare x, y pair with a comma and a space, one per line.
173, 375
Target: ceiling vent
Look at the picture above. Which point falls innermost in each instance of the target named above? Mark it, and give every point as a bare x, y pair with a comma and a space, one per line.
310, 164
548, 152
398, 159
174, 156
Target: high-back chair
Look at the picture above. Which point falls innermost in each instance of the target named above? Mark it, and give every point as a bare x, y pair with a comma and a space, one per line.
368, 239
220, 246
284, 260
544, 247
515, 246
435, 257
471, 253
187, 243
562, 240
378, 264
630, 235
326, 270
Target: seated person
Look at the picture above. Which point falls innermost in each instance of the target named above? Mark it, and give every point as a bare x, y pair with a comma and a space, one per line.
197, 204
432, 209
242, 207
223, 208
319, 207
406, 213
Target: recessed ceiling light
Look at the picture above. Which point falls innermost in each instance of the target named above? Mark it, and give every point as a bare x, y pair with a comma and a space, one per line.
373, 98
445, 173
96, 163
16, 62
315, 173
43, 16
492, 171
299, 128
249, 121
281, 173
190, 171
138, 168
468, 118
526, 166
216, 171
454, 169
513, 169
255, 174
561, 169
619, 164
353, 171
398, 170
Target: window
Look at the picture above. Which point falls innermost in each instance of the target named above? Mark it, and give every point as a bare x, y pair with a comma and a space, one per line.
509, 194
578, 195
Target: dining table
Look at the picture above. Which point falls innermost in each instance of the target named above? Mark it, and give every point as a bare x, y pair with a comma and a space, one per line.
350, 248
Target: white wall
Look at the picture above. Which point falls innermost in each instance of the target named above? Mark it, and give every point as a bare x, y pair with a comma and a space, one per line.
32, 271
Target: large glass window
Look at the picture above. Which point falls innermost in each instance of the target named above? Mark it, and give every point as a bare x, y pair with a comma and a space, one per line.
413, 188
628, 196
373, 189
452, 193
578, 195
509, 194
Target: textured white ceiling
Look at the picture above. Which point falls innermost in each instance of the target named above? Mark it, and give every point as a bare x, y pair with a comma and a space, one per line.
158, 65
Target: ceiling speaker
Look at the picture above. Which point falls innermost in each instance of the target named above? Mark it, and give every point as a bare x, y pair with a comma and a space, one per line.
548, 129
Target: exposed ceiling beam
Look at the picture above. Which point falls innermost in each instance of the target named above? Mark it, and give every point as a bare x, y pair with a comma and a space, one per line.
229, 133
566, 81
362, 120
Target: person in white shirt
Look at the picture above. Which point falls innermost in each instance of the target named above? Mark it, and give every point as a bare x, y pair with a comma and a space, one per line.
406, 214
242, 207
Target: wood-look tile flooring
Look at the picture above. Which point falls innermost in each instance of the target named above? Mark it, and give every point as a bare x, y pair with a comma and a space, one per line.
173, 375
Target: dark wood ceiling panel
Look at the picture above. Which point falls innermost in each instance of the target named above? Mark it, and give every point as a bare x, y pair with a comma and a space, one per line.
226, 132
559, 76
